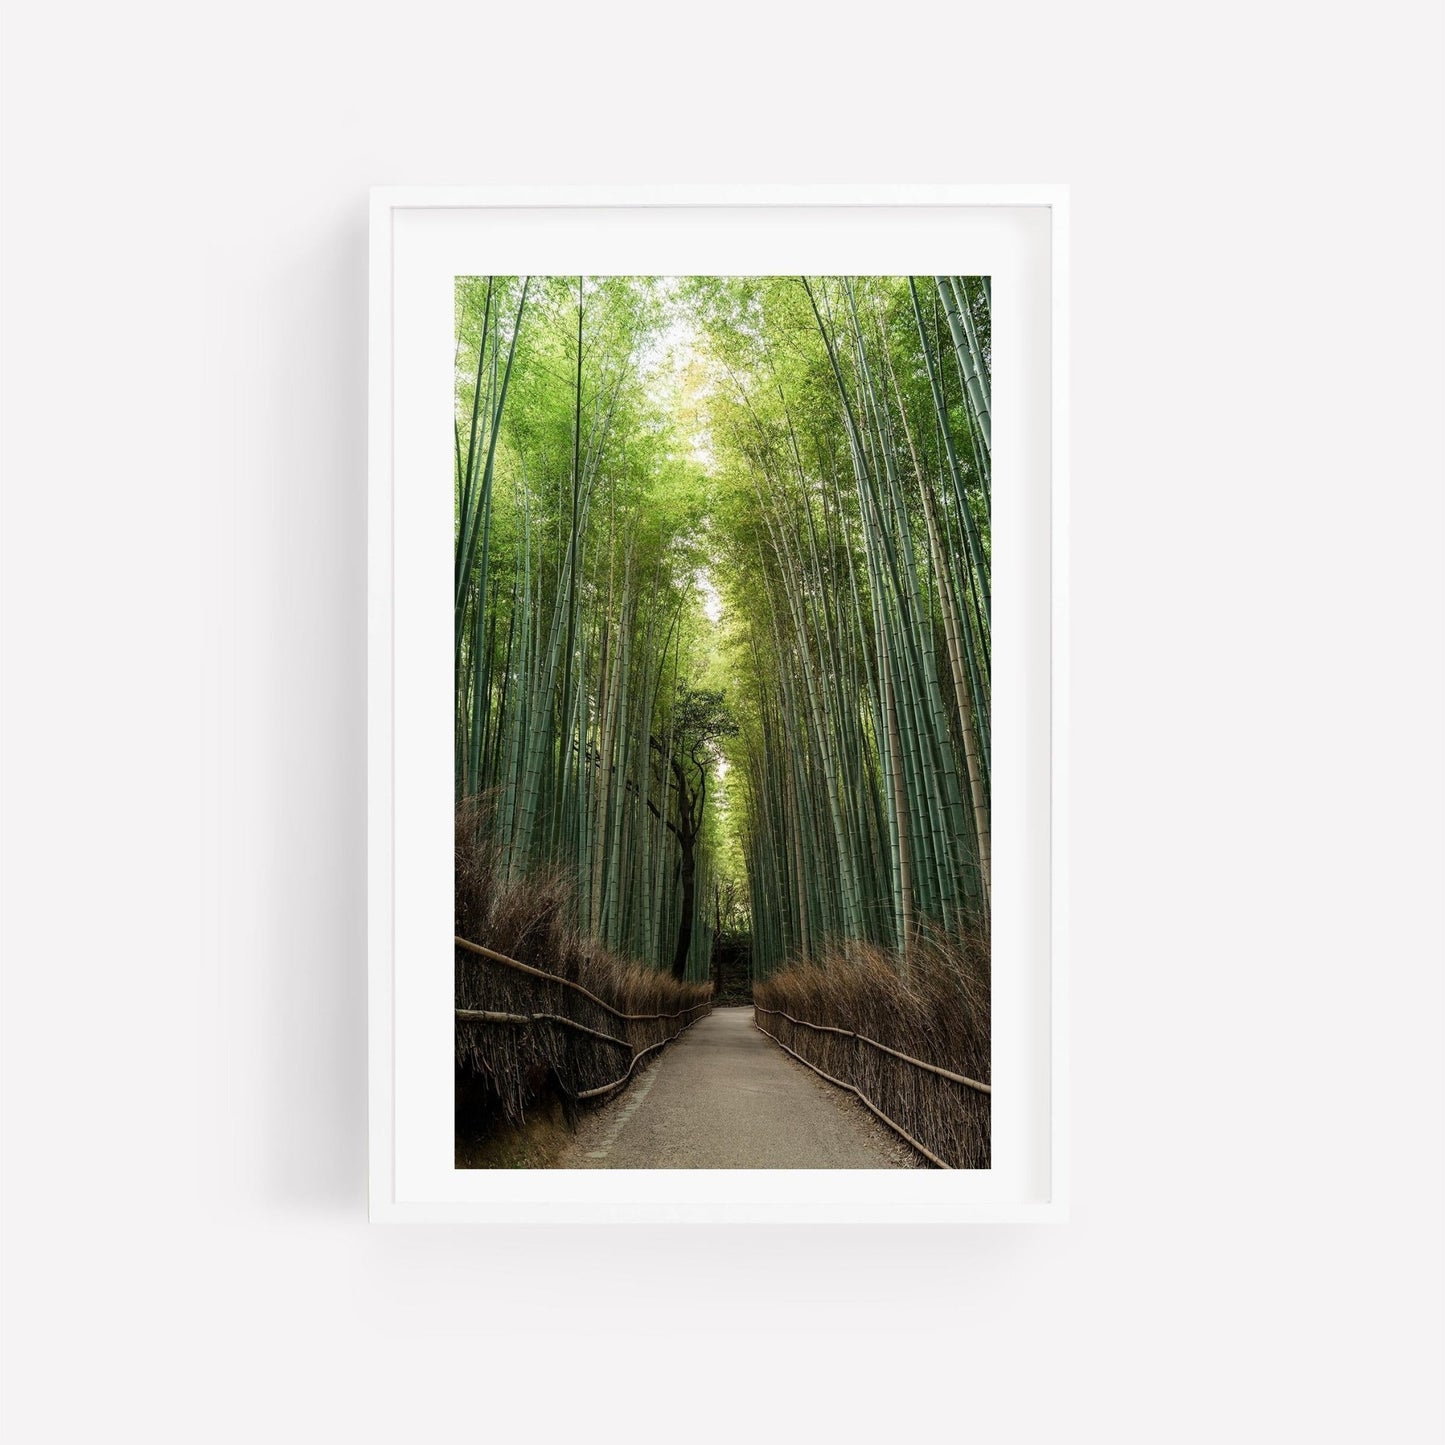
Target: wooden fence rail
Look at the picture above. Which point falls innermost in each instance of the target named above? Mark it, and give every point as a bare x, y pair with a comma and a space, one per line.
501, 958
863, 1038
508, 1062
951, 1115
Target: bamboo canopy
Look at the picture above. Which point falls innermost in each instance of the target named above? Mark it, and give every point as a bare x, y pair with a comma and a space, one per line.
723, 608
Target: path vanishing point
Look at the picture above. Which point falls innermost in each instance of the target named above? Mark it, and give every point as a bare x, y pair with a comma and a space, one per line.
725, 1097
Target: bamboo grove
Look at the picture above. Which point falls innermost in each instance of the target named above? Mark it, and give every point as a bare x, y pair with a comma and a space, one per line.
853, 425
577, 527
722, 604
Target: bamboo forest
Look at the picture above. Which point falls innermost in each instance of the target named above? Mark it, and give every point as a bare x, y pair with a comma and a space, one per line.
722, 725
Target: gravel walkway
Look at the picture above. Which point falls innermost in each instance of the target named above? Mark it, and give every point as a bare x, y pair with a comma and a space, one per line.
725, 1097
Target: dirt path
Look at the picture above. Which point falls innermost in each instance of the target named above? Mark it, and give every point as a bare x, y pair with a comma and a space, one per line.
724, 1097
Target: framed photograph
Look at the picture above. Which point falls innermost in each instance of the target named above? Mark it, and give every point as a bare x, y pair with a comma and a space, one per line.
718, 704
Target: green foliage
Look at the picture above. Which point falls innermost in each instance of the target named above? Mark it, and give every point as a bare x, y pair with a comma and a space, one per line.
577, 583
722, 619
701, 720
852, 554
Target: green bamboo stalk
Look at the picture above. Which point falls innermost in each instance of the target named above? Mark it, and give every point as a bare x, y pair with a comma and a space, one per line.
964, 345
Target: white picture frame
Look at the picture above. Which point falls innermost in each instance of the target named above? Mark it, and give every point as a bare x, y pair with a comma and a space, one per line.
421, 238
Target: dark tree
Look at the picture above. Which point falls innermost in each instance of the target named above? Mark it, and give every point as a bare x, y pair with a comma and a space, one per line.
700, 721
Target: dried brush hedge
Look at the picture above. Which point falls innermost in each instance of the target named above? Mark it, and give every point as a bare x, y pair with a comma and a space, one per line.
939, 1013
515, 1065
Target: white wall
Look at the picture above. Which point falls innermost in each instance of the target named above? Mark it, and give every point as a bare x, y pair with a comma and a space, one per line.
1257, 704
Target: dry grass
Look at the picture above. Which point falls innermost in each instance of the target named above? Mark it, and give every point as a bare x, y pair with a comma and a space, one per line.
939, 1014
505, 1070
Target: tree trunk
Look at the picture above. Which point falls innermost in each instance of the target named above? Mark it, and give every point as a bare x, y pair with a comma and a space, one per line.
689, 897
717, 952
905, 855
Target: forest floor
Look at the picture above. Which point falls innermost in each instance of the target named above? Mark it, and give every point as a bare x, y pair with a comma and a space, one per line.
724, 1097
